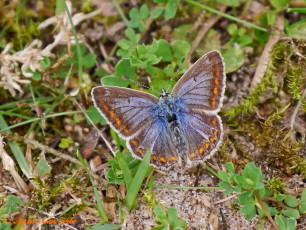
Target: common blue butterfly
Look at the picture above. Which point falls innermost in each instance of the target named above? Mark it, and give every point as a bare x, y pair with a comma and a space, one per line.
182, 128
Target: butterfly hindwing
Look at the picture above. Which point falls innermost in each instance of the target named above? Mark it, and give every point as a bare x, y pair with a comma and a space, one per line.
202, 86
155, 138
203, 134
126, 110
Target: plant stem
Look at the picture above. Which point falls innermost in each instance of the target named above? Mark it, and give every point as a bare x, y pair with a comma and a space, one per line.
120, 12
226, 15
265, 210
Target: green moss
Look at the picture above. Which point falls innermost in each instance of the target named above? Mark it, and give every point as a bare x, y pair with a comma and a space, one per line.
276, 185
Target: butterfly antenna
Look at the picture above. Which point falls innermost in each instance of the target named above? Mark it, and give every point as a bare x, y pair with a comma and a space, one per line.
142, 85
175, 70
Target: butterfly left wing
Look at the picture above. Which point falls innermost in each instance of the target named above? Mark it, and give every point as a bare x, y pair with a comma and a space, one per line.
203, 133
128, 111
202, 86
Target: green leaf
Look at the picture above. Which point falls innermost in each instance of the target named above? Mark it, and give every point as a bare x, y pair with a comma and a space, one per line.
249, 211
115, 81
291, 213
65, 143
89, 60
144, 12
125, 44
291, 224
232, 29
164, 50
297, 30
172, 216
42, 167
125, 169
279, 4
280, 197
132, 36
261, 36
271, 17
45, 63
281, 222
95, 116
137, 181
37, 76
230, 167
124, 68
161, 216
229, 2
246, 198
170, 10
180, 48
303, 202
156, 12
245, 40
291, 201
223, 175
233, 58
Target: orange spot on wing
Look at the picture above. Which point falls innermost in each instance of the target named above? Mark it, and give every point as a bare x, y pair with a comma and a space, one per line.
215, 132
206, 145
154, 157
173, 158
162, 159
140, 151
111, 113
118, 122
105, 107
134, 142
215, 91
191, 155
216, 81
217, 70
213, 122
201, 150
213, 102
211, 139
125, 129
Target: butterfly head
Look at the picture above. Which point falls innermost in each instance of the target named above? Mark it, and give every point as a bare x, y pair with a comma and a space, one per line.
164, 94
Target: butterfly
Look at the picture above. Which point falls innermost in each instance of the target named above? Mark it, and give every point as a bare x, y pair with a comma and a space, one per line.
179, 128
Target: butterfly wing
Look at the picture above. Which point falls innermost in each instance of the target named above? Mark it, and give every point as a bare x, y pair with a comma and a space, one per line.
203, 133
126, 110
202, 86
156, 138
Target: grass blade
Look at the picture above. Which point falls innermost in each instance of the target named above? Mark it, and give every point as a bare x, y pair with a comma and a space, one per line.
18, 154
137, 181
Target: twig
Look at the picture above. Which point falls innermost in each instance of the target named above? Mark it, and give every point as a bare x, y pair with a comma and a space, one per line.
37, 145
296, 110
225, 199
205, 27
263, 61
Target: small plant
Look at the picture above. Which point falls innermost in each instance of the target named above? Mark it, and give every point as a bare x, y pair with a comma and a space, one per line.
252, 193
168, 222
11, 205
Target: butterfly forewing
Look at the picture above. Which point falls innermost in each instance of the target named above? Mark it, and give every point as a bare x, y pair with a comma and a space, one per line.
126, 110
202, 86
